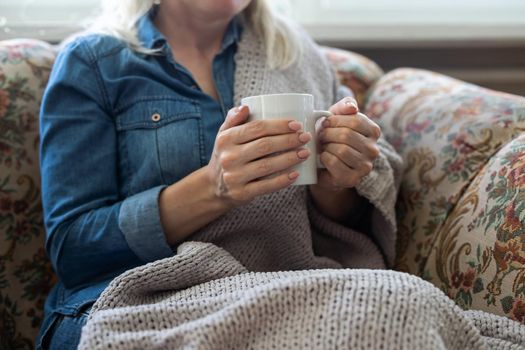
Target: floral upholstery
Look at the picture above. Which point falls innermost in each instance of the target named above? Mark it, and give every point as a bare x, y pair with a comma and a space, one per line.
459, 227
354, 71
460, 210
478, 258
25, 273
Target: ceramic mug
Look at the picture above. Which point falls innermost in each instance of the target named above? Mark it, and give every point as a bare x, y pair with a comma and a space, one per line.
299, 107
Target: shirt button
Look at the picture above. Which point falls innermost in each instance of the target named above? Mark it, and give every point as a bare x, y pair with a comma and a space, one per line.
155, 117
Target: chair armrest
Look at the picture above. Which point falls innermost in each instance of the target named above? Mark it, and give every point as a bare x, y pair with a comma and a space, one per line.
458, 225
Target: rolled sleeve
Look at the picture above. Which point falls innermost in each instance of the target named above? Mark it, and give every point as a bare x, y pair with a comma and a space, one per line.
139, 221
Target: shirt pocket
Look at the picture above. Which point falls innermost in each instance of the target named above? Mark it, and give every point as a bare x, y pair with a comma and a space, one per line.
160, 141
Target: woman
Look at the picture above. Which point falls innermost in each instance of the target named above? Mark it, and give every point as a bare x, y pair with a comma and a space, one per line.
143, 146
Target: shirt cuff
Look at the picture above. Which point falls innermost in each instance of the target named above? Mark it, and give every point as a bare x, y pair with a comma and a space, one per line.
139, 221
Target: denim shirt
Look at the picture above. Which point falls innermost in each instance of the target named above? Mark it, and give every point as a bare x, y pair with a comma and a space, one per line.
116, 128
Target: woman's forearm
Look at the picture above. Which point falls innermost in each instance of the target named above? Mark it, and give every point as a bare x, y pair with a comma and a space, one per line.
337, 205
189, 205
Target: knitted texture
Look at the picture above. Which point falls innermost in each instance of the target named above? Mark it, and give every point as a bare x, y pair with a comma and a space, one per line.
499, 332
203, 298
277, 232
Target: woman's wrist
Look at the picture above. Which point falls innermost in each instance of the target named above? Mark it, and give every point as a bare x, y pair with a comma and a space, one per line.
338, 205
189, 205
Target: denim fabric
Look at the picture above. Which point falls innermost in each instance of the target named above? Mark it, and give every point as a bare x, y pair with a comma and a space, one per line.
116, 128
63, 331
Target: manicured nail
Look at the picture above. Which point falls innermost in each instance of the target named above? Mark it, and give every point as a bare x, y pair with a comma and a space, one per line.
240, 109
295, 125
293, 175
305, 137
303, 153
350, 102
236, 110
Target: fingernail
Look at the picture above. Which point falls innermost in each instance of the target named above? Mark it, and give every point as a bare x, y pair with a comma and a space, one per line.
326, 124
293, 175
236, 110
351, 103
295, 125
303, 153
239, 109
305, 137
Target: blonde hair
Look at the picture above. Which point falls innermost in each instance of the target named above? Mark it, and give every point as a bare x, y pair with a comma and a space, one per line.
119, 18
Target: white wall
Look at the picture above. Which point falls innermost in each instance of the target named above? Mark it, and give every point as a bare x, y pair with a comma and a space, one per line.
45, 19
411, 20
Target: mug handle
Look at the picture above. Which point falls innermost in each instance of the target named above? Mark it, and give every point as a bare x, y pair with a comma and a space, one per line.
316, 116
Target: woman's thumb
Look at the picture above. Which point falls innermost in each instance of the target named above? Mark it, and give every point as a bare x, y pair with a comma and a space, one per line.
236, 116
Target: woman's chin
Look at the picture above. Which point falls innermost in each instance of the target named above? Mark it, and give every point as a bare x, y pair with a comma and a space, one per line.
218, 9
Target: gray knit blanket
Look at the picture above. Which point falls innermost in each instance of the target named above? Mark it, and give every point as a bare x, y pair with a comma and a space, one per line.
203, 298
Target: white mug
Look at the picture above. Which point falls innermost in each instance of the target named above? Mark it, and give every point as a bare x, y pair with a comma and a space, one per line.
299, 107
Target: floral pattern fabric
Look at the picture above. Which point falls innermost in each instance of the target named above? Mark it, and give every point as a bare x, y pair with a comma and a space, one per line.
479, 255
353, 70
25, 272
458, 228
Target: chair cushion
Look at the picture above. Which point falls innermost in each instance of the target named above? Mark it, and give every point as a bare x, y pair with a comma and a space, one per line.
479, 255
25, 273
447, 131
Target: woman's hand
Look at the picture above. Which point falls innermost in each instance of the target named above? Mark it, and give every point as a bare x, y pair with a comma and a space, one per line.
242, 166
252, 159
348, 150
349, 146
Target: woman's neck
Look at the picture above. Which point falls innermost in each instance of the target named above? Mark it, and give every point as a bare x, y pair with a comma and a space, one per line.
186, 30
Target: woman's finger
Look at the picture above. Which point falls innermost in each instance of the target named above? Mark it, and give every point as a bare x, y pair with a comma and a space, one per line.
359, 122
347, 105
271, 165
349, 137
236, 116
346, 154
271, 184
256, 129
271, 144
340, 174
